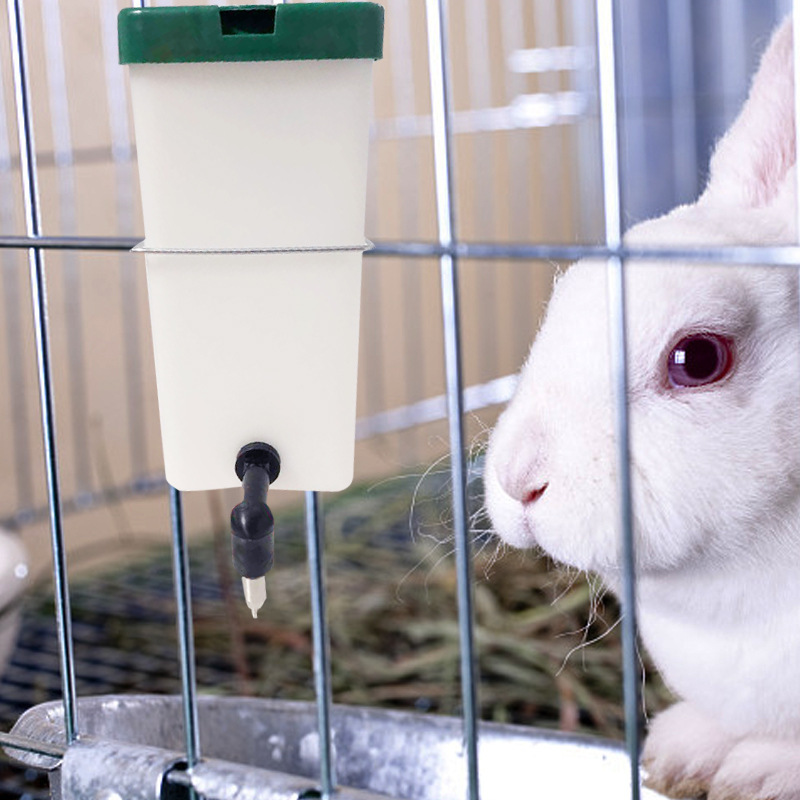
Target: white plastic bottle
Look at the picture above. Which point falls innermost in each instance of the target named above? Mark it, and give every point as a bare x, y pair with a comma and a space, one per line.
252, 129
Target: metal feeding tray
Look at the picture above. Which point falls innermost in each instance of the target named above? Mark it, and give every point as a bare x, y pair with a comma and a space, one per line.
269, 750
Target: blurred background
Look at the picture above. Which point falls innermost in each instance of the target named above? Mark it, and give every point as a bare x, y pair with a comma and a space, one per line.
527, 169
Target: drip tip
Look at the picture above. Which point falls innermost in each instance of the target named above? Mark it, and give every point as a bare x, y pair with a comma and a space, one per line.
255, 593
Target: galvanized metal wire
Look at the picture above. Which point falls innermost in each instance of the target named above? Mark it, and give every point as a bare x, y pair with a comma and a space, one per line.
607, 48
39, 294
183, 605
321, 641
763, 255
439, 73
449, 250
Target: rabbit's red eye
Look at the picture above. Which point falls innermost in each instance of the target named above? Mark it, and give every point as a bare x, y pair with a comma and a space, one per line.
699, 359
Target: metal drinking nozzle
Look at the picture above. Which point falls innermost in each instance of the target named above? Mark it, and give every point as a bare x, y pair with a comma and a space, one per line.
252, 523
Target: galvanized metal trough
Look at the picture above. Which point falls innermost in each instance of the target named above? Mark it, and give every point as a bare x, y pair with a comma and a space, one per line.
130, 748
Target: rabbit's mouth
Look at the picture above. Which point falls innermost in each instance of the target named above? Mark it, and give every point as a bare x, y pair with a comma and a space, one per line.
513, 525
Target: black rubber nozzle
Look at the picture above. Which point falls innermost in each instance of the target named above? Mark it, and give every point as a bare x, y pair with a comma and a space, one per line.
258, 454
252, 523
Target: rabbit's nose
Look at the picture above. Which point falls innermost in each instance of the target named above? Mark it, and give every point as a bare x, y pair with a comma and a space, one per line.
524, 491
532, 495
519, 481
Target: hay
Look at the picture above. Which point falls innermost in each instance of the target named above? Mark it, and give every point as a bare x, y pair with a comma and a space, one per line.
548, 649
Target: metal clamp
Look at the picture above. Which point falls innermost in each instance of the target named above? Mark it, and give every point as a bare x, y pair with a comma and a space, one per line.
110, 770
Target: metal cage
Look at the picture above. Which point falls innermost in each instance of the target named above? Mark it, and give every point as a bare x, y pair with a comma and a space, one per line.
610, 22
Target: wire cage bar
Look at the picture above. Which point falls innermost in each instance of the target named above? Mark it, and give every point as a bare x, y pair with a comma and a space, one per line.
607, 45
449, 250
321, 639
39, 292
439, 68
183, 604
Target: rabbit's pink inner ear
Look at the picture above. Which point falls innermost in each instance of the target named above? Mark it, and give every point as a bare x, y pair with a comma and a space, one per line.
752, 159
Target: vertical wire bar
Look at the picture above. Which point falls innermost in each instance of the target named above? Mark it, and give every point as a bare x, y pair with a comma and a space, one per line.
183, 603
612, 202
321, 641
438, 69
27, 152
65, 166
321, 638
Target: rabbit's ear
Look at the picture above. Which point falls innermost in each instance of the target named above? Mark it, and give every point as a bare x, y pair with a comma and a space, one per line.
750, 163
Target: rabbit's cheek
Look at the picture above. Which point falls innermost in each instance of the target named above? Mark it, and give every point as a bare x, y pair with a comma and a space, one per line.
574, 530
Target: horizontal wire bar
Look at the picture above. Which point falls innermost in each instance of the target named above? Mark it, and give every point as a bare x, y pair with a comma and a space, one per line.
143, 247
775, 255
70, 242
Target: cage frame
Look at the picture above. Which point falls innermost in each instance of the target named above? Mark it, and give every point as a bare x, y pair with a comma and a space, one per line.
450, 251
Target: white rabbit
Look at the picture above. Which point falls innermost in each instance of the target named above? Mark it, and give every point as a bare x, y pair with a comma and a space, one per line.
714, 372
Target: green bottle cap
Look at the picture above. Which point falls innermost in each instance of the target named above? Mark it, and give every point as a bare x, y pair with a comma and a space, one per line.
286, 32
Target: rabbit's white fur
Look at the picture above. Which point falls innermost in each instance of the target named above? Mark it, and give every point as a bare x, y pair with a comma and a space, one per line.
716, 469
